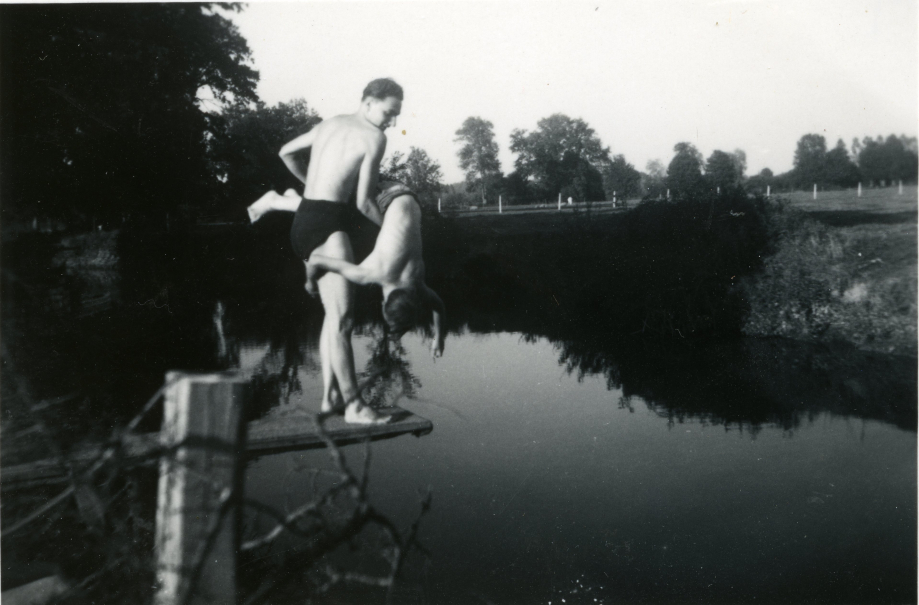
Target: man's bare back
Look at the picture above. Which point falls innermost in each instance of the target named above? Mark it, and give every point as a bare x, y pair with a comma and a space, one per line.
339, 149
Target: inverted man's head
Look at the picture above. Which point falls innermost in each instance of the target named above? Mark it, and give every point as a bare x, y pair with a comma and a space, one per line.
382, 102
404, 309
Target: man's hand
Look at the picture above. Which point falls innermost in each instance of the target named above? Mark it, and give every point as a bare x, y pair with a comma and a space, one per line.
437, 347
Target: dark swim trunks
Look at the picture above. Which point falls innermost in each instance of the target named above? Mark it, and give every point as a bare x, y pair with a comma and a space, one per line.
389, 191
316, 220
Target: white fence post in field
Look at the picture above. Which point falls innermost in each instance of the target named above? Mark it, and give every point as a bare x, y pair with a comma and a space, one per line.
438, 205
900, 191
500, 206
559, 200
614, 199
815, 190
197, 522
768, 190
859, 190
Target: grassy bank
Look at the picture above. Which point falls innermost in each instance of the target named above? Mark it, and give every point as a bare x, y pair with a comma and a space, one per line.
841, 267
844, 268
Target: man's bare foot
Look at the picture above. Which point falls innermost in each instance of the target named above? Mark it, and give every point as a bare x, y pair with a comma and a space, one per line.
260, 206
329, 408
357, 413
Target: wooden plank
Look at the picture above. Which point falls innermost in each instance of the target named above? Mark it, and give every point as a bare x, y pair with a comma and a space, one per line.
267, 435
296, 431
197, 517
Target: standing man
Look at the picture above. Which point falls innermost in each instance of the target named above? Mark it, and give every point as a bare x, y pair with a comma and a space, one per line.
345, 153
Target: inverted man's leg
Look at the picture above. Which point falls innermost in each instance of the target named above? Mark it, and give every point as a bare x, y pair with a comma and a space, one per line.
337, 301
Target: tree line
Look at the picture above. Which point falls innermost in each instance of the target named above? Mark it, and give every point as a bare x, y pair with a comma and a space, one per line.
564, 155
114, 112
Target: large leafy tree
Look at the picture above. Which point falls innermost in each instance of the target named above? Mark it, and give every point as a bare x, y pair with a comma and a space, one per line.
562, 154
887, 159
721, 169
100, 106
684, 173
245, 154
621, 179
840, 170
479, 155
418, 171
810, 160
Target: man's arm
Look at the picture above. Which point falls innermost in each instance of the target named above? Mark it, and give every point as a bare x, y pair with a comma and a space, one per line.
292, 148
357, 274
438, 313
367, 180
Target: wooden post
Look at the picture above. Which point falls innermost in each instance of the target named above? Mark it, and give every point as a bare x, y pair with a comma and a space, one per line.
768, 190
197, 521
500, 208
859, 190
719, 190
560, 200
668, 194
900, 191
438, 205
815, 190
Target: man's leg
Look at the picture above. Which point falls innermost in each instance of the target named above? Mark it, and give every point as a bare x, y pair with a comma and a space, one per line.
331, 396
337, 301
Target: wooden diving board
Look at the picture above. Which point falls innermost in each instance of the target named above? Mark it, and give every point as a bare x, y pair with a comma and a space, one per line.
275, 433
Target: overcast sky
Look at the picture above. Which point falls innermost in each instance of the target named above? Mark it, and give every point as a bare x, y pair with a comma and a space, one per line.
754, 75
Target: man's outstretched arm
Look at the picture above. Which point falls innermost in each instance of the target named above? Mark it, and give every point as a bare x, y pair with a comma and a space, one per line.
292, 148
356, 274
438, 313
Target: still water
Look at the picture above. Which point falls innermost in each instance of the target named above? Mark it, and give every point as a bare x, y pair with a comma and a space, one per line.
567, 465
549, 487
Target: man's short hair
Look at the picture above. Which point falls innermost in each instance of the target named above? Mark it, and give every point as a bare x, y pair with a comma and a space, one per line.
382, 88
403, 310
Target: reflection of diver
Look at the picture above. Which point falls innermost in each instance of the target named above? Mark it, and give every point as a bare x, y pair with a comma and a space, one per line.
396, 264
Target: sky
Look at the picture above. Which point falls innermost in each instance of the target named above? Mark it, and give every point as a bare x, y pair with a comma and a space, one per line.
645, 75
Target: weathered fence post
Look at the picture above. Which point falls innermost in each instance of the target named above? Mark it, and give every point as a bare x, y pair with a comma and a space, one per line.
500, 208
900, 191
859, 190
815, 190
614, 199
197, 521
438, 205
559, 200
768, 190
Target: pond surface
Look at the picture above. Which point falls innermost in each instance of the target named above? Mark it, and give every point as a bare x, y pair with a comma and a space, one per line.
547, 487
566, 465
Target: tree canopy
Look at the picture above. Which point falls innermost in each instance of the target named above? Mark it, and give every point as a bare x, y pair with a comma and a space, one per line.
100, 105
620, 179
561, 155
417, 170
684, 173
887, 159
245, 154
810, 159
479, 155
